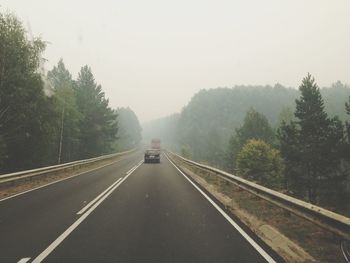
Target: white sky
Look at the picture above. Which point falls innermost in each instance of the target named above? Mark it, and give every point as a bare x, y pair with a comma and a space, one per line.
154, 55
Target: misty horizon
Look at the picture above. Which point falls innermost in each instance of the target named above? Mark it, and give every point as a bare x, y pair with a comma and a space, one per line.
142, 53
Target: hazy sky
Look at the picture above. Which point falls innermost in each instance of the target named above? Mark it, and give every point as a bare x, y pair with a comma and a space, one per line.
154, 55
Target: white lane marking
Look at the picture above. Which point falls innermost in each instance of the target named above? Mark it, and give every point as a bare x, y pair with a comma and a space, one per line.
70, 229
131, 169
60, 180
98, 197
134, 168
262, 252
23, 260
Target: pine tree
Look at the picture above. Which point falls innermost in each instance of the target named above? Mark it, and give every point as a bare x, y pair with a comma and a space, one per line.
311, 145
346, 148
2, 130
347, 108
231, 153
98, 126
68, 125
255, 126
288, 135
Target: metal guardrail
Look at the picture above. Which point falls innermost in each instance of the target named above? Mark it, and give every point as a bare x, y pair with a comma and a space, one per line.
12, 177
333, 222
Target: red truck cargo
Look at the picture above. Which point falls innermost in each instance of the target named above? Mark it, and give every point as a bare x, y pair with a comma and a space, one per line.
155, 144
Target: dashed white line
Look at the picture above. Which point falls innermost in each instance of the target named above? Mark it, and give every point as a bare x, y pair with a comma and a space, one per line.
69, 230
262, 252
23, 260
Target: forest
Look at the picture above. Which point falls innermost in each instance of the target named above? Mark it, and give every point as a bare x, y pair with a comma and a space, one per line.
49, 117
293, 140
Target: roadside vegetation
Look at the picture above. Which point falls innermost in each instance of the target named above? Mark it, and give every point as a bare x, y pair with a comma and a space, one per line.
129, 133
51, 118
294, 140
258, 161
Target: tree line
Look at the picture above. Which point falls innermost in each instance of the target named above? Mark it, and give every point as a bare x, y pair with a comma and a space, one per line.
129, 133
307, 155
293, 140
49, 118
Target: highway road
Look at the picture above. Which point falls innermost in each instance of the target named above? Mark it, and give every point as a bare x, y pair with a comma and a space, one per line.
125, 212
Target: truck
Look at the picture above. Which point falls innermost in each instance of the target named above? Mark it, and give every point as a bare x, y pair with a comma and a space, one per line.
155, 144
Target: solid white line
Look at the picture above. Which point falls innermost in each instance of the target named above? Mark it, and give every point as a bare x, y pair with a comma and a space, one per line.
69, 230
262, 252
60, 180
98, 197
93, 201
130, 171
23, 260
135, 167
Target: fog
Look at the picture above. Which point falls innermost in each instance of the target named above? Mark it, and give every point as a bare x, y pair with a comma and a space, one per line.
154, 55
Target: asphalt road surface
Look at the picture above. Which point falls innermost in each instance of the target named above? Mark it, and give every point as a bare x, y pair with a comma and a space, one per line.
125, 212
